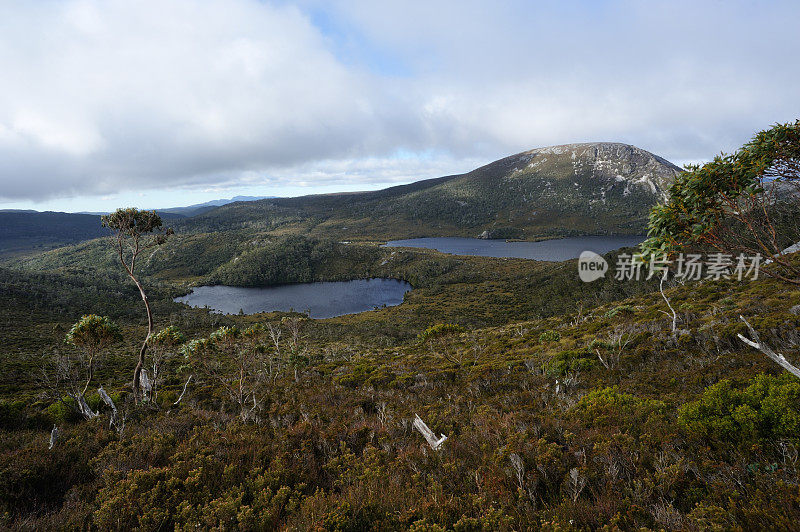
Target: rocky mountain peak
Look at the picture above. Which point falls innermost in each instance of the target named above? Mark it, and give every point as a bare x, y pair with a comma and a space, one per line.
611, 163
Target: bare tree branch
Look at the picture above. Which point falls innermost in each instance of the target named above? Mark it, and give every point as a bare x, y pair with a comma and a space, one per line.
84, 407
434, 441
756, 343
674, 314
114, 422
183, 392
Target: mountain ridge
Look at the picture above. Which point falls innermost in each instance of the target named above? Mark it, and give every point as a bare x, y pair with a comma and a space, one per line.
581, 188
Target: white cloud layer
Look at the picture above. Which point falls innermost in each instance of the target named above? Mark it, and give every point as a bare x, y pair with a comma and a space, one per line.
105, 96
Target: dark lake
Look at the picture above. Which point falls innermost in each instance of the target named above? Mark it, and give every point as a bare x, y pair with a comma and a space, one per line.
553, 250
319, 300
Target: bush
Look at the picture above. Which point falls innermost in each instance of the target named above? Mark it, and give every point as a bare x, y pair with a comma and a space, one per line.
626, 309
440, 330
65, 411
549, 336
12, 414
571, 360
768, 409
607, 407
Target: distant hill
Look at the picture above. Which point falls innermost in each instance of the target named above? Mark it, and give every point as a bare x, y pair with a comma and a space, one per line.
23, 231
591, 188
192, 210
29, 231
189, 210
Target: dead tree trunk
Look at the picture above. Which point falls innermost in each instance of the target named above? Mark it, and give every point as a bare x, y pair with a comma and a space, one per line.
756, 343
672, 310
53, 437
147, 386
84, 407
428, 434
114, 422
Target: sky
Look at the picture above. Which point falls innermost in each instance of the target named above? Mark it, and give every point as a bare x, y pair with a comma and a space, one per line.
158, 104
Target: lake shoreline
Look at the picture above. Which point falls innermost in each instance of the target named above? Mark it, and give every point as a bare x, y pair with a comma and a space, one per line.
318, 300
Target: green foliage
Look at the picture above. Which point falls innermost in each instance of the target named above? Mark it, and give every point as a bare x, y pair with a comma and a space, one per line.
439, 330
195, 347
549, 336
168, 337
739, 188
132, 222
69, 293
224, 338
612, 408
766, 410
571, 361
619, 309
62, 412
94, 332
295, 259
225, 334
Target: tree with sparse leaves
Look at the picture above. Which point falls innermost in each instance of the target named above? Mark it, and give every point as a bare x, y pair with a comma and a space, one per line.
74, 370
136, 231
746, 203
165, 345
235, 360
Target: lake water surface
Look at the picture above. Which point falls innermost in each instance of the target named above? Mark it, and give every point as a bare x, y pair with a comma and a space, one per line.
553, 250
319, 300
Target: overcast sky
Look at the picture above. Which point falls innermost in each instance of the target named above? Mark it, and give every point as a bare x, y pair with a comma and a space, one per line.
158, 103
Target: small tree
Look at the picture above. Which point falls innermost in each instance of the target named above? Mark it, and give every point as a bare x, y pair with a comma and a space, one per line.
91, 335
297, 356
745, 203
274, 361
136, 231
164, 345
234, 360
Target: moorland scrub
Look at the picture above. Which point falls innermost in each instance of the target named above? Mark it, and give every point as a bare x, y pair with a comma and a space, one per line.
565, 405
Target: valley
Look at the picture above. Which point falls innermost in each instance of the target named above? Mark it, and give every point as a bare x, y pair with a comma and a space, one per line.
307, 266
566, 405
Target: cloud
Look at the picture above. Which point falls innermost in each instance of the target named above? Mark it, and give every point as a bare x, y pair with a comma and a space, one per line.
116, 94
686, 78
100, 97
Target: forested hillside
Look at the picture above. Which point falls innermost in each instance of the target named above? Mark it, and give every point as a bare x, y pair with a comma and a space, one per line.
596, 188
25, 231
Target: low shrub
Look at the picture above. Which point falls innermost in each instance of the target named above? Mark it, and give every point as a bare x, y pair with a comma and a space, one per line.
440, 330
766, 410
621, 309
549, 336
